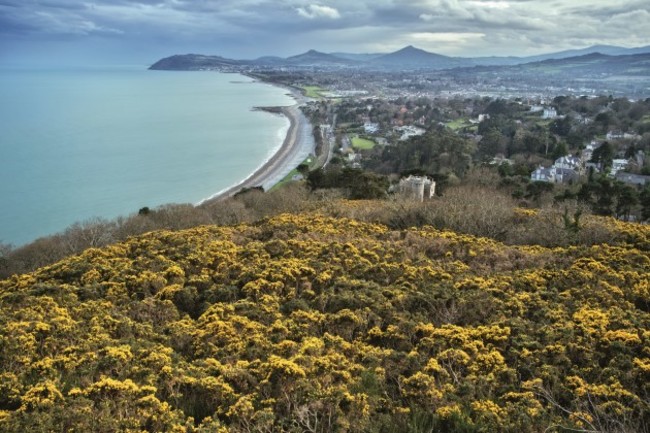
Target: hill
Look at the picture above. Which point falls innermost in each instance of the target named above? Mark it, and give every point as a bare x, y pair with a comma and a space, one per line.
593, 64
309, 323
411, 57
406, 58
191, 62
316, 58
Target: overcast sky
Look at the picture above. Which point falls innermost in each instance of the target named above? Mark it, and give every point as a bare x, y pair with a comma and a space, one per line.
96, 32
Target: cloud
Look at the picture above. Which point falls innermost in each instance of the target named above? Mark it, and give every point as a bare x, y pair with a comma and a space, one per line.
251, 28
316, 11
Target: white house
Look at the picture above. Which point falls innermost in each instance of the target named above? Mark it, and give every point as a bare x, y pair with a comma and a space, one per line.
618, 165
370, 127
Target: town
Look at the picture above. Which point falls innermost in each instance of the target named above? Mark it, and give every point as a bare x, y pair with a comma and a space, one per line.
591, 148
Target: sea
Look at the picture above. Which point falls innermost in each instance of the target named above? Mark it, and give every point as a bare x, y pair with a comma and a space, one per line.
105, 142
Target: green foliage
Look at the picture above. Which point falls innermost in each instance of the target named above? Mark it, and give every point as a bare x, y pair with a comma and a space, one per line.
358, 184
437, 151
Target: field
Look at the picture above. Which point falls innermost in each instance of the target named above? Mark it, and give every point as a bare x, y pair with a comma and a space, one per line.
362, 143
313, 91
458, 124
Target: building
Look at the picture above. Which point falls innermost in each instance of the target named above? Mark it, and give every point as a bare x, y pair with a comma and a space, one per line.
409, 131
633, 179
555, 174
588, 152
618, 165
569, 162
542, 174
417, 187
549, 113
371, 128
615, 135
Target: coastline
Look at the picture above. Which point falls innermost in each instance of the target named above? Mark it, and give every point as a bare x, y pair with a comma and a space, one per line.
294, 145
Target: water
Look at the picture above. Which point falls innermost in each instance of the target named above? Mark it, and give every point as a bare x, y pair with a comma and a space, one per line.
79, 144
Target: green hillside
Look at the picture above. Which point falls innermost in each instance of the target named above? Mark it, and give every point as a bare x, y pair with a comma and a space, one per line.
307, 323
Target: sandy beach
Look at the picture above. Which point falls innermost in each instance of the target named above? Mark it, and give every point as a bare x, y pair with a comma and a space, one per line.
296, 146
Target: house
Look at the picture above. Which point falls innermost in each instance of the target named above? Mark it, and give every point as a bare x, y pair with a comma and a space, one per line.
588, 152
542, 174
565, 175
633, 179
618, 165
554, 174
615, 135
569, 162
409, 131
417, 187
370, 128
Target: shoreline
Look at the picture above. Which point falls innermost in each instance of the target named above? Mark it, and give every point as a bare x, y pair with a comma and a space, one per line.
292, 146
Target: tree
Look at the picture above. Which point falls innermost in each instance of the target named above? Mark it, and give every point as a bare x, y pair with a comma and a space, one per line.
560, 150
492, 143
645, 203
627, 198
561, 126
534, 190
603, 155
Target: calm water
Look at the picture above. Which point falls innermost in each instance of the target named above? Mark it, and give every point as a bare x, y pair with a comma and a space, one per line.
74, 145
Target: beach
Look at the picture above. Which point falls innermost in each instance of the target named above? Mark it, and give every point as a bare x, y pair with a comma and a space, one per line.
297, 145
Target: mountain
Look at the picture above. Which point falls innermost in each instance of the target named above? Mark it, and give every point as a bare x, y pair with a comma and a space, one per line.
411, 57
301, 320
184, 62
357, 57
269, 60
592, 64
407, 58
316, 58
602, 49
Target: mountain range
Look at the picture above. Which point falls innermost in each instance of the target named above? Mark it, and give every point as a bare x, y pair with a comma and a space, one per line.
407, 58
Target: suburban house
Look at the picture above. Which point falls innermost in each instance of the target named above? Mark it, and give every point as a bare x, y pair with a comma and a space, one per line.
569, 162
588, 152
542, 174
565, 169
614, 135
633, 179
618, 165
409, 131
371, 128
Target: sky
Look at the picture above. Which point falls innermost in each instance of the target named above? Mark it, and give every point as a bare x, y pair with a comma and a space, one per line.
139, 32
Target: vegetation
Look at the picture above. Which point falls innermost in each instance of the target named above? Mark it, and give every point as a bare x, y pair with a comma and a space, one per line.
307, 323
362, 143
313, 91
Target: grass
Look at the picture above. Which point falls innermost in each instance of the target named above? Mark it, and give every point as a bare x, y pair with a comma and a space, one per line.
362, 143
458, 124
313, 91
289, 177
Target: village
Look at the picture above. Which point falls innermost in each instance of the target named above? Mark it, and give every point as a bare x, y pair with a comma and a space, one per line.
565, 141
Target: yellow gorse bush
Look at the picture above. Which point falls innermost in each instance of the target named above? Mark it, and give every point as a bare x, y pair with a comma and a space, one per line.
312, 323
